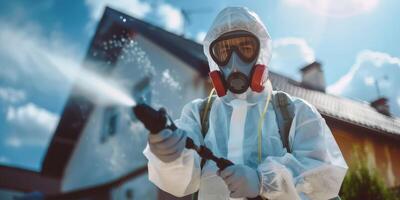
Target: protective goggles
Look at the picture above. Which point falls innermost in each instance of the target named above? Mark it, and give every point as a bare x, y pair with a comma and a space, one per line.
245, 44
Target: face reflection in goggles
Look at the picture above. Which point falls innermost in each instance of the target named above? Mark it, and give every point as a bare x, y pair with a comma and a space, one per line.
245, 44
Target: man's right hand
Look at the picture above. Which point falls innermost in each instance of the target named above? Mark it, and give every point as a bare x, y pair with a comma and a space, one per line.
167, 145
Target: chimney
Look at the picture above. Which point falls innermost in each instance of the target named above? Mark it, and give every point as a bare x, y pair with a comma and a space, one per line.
313, 77
381, 105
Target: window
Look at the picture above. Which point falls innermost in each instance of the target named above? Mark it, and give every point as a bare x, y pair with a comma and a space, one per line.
110, 123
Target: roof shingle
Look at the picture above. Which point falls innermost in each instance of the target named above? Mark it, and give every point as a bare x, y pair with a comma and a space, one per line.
341, 108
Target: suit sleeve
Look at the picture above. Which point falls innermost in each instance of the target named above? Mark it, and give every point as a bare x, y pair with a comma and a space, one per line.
182, 176
314, 169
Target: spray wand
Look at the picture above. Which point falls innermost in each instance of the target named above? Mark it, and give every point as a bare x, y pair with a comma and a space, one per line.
155, 121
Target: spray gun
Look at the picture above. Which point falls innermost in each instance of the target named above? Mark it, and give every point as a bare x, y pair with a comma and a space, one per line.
155, 121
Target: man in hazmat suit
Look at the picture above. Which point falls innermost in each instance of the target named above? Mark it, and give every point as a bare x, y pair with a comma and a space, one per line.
247, 124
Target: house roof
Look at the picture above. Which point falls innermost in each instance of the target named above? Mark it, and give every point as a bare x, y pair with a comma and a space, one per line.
24, 180
100, 189
343, 109
187, 50
78, 108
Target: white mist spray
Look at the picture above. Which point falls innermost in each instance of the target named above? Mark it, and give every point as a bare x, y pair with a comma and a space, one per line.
103, 90
100, 89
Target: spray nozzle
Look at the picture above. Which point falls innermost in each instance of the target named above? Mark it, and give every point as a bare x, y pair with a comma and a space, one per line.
153, 120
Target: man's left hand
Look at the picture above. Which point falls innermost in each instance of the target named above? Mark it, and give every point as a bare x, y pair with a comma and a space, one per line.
241, 180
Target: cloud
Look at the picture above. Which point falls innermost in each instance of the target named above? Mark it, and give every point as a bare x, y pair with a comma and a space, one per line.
14, 142
335, 8
42, 64
30, 56
33, 66
369, 60
30, 113
302, 46
135, 8
3, 159
290, 54
369, 80
200, 36
172, 18
398, 101
12, 95
30, 125
371, 66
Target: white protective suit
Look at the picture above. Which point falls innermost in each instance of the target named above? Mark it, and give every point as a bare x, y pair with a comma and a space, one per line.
314, 169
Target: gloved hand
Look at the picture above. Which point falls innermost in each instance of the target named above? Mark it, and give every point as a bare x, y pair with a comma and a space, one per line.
167, 145
241, 180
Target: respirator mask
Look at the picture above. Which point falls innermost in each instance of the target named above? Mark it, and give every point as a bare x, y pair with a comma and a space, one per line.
236, 54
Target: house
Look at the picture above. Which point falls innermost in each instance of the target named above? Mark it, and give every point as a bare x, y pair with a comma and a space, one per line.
96, 150
96, 144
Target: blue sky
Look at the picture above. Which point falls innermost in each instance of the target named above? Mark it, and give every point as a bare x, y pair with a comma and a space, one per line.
356, 41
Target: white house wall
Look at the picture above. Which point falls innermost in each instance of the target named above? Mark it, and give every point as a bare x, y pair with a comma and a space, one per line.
134, 189
95, 161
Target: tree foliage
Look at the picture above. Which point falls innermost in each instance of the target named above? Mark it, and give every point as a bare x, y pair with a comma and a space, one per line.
364, 182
